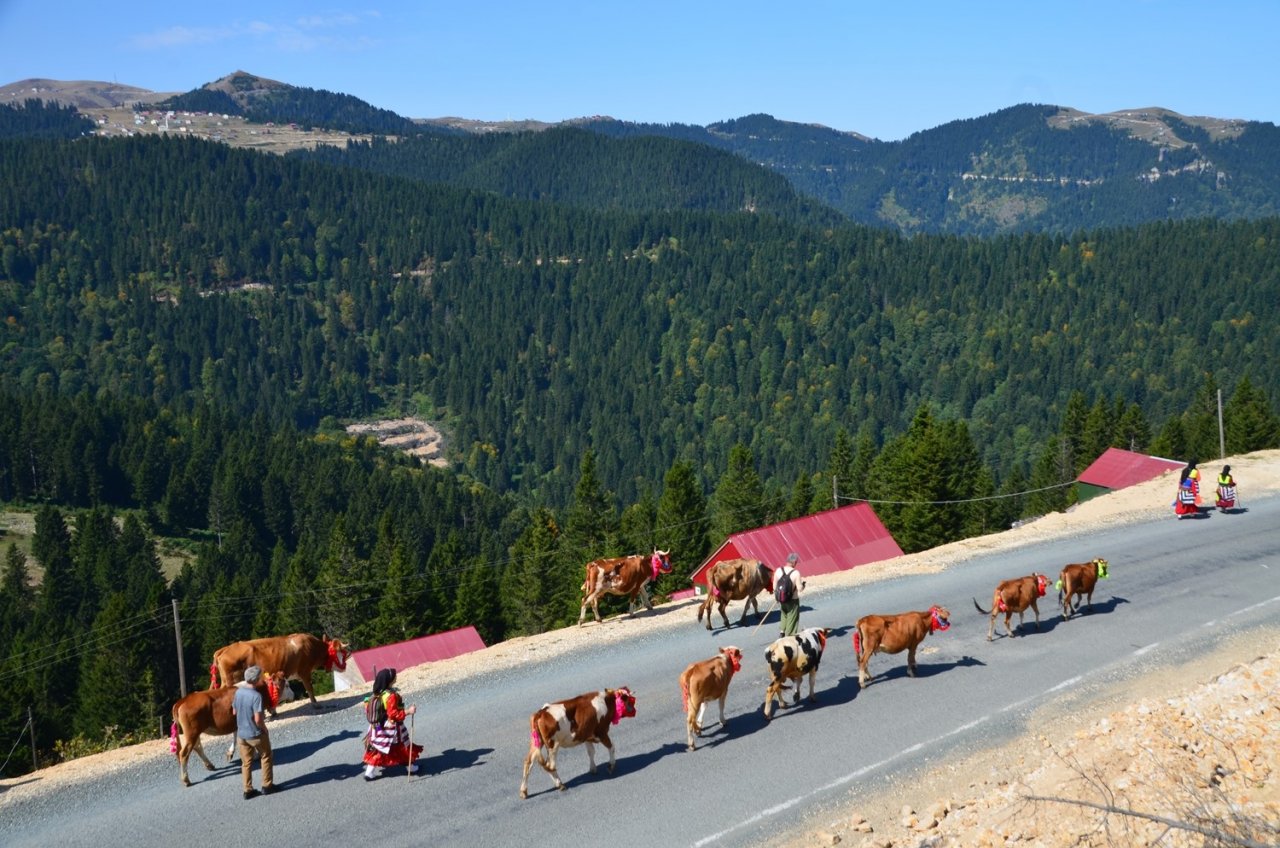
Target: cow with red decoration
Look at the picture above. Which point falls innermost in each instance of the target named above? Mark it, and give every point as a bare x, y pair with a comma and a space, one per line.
1012, 596
297, 656
735, 580
892, 634
572, 722
210, 712
790, 658
622, 576
706, 681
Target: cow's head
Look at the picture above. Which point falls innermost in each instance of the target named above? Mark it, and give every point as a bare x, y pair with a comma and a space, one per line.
278, 688
339, 653
734, 655
624, 704
1103, 566
939, 618
767, 573
660, 562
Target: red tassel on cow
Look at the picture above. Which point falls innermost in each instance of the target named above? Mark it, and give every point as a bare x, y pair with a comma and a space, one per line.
173, 738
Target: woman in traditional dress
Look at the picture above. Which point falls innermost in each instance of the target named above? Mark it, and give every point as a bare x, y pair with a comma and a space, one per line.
387, 743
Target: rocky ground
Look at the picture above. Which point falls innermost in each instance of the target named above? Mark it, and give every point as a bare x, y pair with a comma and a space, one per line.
1198, 744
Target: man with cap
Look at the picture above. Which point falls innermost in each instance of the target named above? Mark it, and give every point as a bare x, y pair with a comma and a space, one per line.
790, 622
251, 732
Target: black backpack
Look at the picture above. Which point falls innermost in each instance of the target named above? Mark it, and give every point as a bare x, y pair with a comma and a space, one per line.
783, 590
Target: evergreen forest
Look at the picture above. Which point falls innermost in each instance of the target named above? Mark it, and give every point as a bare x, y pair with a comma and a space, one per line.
185, 327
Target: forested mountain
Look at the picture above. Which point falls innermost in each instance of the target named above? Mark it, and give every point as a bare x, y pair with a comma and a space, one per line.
267, 101
183, 325
536, 331
1029, 168
34, 118
580, 168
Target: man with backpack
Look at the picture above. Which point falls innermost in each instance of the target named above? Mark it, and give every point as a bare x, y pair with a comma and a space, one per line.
787, 585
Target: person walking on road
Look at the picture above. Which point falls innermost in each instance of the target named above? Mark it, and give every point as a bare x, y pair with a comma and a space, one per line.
251, 733
787, 585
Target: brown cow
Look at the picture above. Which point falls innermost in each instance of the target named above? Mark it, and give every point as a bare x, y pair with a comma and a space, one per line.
298, 656
791, 658
568, 723
622, 576
1015, 596
209, 711
735, 580
890, 634
1078, 580
706, 681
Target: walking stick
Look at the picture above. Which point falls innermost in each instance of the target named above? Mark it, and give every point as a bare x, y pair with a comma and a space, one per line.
409, 768
766, 614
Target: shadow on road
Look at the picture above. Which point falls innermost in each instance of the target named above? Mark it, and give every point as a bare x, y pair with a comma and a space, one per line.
454, 759
301, 750
923, 669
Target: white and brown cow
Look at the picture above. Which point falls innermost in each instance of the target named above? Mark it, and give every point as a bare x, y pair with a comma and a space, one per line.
297, 655
1078, 580
622, 576
705, 681
891, 634
1012, 596
791, 658
735, 580
209, 711
566, 724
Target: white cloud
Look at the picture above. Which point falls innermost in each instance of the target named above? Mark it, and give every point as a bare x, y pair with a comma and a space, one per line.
296, 37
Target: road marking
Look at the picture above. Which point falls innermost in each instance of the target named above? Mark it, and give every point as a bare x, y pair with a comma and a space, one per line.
1064, 684
854, 775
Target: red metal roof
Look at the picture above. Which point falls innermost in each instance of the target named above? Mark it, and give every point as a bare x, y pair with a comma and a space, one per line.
402, 655
835, 540
1117, 468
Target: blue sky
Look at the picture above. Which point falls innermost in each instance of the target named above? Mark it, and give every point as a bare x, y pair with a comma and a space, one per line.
883, 69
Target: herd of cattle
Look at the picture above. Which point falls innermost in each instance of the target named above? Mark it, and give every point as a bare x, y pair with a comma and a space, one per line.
587, 718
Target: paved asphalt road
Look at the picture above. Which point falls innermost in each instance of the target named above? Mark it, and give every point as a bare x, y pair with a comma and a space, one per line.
1177, 589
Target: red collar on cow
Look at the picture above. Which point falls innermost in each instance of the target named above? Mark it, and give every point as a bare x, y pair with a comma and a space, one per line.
822, 638
659, 564
936, 624
332, 661
1102, 564
273, 692
1041, 582
624, 704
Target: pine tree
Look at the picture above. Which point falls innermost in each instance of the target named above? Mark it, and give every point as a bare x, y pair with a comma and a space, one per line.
17, 597
477, 602
109, 673
840, 466
738, 502
342, 585
528, 585
682, 521
1249, 423
400, 603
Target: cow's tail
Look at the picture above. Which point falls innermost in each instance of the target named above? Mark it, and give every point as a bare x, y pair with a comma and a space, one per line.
536, 737
173, 738
213, 675
589, 585
684, 694
857, 643
980, 609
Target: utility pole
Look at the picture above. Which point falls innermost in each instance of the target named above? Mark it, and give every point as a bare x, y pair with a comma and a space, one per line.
1222, 439
177, 633
31, 726
835, 495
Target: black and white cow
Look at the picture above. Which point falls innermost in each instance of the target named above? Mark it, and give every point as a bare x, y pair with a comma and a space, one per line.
791, 658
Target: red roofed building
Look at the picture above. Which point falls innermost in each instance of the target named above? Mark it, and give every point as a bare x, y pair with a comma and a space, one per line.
1117, 469
363, 666
835, 540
